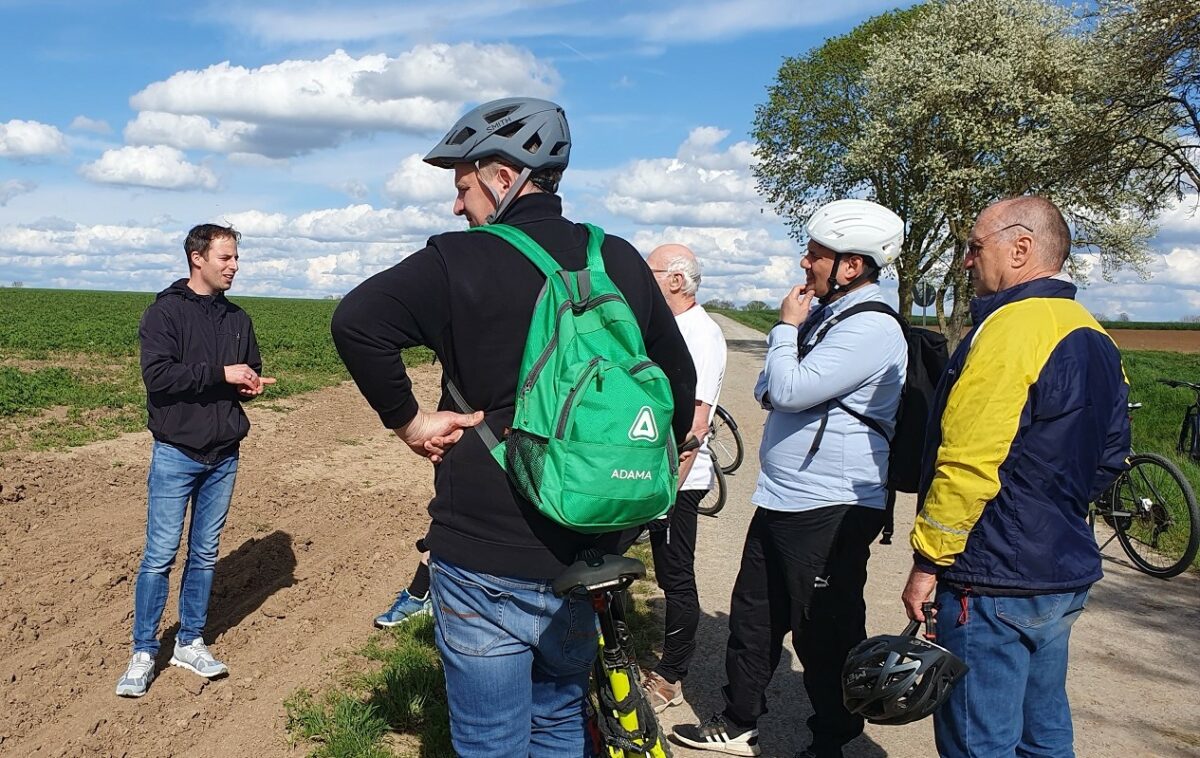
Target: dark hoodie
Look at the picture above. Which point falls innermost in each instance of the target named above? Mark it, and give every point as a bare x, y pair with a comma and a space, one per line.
187, 341
470, 297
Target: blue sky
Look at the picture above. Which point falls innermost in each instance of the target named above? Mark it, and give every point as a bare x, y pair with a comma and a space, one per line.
122, 124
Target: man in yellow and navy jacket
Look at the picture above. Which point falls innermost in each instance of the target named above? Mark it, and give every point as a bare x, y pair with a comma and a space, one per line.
1029, 425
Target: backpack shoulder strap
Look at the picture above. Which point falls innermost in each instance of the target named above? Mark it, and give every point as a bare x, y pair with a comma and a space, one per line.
871, 306
595, 260
525, 245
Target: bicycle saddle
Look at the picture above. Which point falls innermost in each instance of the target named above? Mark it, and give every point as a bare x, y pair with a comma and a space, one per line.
595, 571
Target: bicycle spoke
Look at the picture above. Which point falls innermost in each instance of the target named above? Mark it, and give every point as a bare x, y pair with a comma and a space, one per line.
1153, 519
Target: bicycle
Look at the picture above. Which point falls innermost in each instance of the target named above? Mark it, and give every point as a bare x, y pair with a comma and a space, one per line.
713, 500
725, 442
1189, 430
1153, 514
620, 721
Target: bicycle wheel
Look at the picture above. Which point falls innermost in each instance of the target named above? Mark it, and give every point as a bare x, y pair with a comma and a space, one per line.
1156, 517
713, 500
725, 442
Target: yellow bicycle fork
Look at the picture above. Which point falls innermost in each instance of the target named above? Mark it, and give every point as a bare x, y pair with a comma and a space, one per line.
622, 679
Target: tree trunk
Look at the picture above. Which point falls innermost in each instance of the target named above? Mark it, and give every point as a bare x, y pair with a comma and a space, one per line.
957, 283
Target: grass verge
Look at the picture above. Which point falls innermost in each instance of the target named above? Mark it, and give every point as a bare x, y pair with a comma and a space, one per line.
395, 705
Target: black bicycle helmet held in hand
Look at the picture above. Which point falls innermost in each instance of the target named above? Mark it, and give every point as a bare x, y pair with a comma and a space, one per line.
897, 679
523, 131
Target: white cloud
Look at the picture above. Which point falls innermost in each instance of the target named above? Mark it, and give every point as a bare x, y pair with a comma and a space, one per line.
1183, 217
187, 132
21, 139
701, 186
257, 223
53, 241
365, 223
85, 124
297, 106
456, 73
416, 181
13, 187
156, 166
1183, 266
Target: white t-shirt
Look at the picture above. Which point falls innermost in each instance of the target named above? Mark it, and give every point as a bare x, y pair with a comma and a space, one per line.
706, 343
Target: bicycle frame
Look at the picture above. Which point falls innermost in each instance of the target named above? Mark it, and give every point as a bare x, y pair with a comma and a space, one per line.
621, 723
615, 665
1189, 430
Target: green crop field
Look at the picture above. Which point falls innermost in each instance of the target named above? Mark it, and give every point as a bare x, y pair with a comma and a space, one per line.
69, 360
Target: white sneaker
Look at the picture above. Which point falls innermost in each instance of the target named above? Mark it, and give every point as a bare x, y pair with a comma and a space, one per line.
137, 677
195, 657
717, 735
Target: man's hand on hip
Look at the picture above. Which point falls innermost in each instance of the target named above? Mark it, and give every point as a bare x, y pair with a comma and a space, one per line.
917, 590
431, 435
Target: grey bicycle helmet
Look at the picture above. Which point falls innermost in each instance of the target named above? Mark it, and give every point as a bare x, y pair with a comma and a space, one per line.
897, 679
524, 131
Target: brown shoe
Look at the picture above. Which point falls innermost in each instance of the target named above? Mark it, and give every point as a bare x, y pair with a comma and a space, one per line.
661, 693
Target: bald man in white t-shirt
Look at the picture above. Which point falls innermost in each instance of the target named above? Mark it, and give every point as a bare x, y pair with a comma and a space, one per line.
674, 538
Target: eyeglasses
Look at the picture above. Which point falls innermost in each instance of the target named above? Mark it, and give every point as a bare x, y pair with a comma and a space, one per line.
664, 271
975, 246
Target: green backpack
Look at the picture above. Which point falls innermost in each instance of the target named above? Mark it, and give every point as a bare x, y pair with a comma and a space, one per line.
591, 442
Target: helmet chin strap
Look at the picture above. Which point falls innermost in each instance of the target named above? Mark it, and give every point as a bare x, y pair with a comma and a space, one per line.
836, 289
502, 204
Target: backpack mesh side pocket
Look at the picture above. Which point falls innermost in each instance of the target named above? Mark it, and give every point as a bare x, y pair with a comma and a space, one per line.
525, 459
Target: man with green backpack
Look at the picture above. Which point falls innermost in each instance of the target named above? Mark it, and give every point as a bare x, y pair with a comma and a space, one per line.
566, 389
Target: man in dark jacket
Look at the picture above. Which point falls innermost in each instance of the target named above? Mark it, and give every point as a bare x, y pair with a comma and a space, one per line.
199, 360
516, 658
1029, 426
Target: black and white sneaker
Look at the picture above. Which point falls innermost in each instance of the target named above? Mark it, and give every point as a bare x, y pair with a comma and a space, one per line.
719, 736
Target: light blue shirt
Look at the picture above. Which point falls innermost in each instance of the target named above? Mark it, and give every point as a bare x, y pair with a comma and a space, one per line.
862, 363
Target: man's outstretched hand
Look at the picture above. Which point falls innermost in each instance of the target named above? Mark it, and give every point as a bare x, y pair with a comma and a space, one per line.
431, 435
248, 382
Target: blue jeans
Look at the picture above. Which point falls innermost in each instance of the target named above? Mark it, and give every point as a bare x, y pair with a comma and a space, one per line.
1013, 701
174, 481
516, 660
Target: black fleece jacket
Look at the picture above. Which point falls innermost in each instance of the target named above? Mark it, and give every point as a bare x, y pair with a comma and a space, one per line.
470, 298
187, 341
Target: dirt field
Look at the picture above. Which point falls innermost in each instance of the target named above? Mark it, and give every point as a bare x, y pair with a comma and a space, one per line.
1178, 341
320, 537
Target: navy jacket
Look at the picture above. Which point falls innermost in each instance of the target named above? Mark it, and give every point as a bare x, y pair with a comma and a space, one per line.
1029, 425
187, 341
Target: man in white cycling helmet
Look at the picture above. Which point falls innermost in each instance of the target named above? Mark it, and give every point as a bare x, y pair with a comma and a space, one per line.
832, 366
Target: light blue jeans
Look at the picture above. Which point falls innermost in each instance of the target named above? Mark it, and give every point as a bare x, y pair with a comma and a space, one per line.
174, 481
516, 660
1013, 701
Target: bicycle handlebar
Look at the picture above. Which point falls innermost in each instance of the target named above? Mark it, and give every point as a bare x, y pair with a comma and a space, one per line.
1175, 383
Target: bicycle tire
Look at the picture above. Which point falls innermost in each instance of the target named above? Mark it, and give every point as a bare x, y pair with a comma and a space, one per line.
725, 442
1156, 516
714, 500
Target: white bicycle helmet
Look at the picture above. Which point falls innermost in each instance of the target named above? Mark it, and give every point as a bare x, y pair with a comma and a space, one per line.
858, 227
